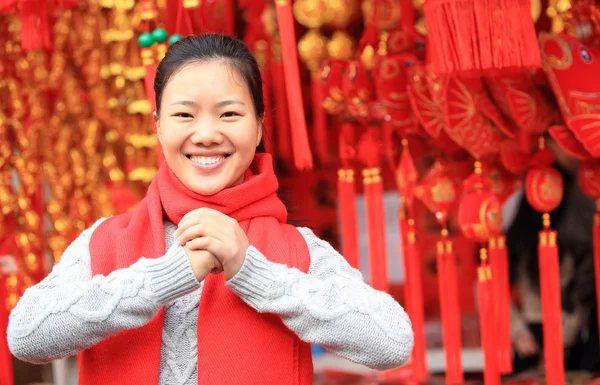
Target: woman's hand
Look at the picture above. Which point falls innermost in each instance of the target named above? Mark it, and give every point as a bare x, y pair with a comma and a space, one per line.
213, 231
203, 263
525, 345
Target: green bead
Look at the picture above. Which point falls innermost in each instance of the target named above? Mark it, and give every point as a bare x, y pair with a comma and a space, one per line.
174, 39
145, 40
159, 35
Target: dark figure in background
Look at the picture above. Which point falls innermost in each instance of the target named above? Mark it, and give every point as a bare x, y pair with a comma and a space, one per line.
573, 221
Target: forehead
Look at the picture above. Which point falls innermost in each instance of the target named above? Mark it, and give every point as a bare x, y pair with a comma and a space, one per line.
214, 79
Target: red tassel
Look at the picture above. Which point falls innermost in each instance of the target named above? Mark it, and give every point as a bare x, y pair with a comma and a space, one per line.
403, 225
229, 17
473, 35
373, 188
269, 134
319, 121
347, 201
450, 312
282, 118
551, 306
6, 369
501, 288
597, 253
35, 25
6, 6
491, 376
417, 316
285, 21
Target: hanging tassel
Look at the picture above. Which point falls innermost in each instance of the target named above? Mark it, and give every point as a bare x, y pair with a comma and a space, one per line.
472, 36
319, 120
280, 107
35, 25
450, 310
6, 368
269, 134
6, 6
597, 253
373, 189
403, 226
301, 149
415, 274
229, 25
501, 289
551, 304
491, 376
347, 202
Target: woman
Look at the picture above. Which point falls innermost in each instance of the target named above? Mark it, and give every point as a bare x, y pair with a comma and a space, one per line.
204, 283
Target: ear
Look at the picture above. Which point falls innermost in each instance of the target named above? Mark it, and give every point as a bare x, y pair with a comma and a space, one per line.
157, 123
261, 128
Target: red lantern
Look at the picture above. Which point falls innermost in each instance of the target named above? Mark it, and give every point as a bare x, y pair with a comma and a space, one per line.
544, 188
438, 191
479, 215
589, 178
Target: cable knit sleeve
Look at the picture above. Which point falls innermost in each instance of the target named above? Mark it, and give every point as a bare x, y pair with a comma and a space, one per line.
70, 311
331, 305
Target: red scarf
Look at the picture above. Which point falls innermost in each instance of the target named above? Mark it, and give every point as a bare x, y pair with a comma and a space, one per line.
236, 344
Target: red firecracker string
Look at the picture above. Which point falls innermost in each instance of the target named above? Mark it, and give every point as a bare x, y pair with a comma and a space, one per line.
597, 253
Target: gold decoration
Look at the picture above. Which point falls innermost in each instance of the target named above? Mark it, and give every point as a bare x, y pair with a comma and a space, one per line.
340, 46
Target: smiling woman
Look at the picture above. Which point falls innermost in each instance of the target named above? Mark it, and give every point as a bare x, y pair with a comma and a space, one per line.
208, 132
205, 282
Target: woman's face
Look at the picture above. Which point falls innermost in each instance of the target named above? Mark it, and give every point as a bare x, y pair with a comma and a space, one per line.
207, 126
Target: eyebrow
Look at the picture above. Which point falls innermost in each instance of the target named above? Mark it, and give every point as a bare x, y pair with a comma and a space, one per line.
184, 103
229, 102
222, 104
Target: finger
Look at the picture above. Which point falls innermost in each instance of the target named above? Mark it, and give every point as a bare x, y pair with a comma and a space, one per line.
200, 243
196, 231
213, 245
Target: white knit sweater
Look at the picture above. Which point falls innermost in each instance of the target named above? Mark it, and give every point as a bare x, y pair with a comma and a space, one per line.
331, 305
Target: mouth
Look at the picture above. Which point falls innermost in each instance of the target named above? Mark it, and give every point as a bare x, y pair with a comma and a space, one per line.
208, 162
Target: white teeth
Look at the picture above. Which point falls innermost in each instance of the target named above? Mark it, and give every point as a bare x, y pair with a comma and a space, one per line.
206, 159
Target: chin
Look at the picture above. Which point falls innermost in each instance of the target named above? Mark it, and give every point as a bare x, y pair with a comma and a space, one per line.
206, 190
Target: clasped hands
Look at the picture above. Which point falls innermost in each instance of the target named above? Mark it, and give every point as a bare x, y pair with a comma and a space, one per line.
213, 242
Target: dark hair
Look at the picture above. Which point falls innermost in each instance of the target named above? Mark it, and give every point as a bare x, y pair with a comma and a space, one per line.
207, 48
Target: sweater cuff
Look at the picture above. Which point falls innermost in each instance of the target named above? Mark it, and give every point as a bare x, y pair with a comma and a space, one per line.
254, 281
171, 275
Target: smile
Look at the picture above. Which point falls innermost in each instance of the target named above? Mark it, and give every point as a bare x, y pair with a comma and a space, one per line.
207, 163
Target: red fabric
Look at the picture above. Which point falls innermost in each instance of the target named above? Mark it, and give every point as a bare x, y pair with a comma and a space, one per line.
235, 343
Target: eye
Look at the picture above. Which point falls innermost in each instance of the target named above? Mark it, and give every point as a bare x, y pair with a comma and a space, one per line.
230, 114
585, 55
183, 115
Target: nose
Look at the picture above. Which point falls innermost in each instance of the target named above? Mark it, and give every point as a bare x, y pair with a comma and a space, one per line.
206, 133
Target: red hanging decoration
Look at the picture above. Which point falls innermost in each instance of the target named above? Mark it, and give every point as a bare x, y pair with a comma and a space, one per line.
544, 192
35, 25
450, 310
301, 149
551, 305
501, 288
472, 36
485, 292
319, 120
369, 154
416, 312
